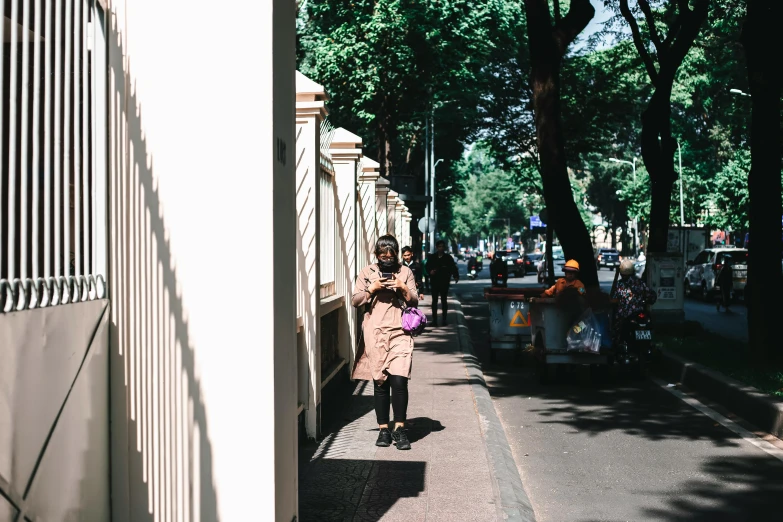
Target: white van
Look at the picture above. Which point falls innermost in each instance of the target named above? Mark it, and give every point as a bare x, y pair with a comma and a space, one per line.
702, 271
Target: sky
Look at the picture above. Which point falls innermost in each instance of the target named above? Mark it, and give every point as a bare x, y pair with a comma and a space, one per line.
596, 24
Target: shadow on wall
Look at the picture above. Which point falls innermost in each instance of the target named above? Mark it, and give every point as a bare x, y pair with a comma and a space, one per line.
161, 453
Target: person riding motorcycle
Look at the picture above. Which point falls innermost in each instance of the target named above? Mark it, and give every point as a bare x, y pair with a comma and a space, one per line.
570, 280
479, 260
499, 268
632, 294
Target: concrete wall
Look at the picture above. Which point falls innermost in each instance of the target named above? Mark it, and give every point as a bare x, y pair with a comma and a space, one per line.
54, 436
204, 381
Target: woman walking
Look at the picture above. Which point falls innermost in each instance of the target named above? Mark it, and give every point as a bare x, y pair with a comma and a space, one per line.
383, 289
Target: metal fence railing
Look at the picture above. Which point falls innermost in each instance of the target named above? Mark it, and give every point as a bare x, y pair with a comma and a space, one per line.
52, 157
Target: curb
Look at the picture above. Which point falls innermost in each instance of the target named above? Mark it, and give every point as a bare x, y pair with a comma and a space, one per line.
758, 408
514, 503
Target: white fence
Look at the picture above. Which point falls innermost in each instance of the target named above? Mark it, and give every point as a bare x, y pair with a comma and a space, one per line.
53, 194
354, 207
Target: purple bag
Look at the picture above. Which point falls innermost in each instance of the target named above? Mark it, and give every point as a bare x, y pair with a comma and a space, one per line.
413, 321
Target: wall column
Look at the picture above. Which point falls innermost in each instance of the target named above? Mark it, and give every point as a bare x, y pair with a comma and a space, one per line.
310, 112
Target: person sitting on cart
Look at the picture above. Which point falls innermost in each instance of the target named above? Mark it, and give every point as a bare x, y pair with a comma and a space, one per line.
571, 280
631, 294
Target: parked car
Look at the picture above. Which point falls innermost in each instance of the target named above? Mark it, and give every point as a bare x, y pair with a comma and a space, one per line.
608, 257
531, 262
514, 261
702, 271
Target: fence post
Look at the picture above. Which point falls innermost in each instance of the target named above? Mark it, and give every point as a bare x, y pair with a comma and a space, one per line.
381, 195
367, 188
346, 152
310, 112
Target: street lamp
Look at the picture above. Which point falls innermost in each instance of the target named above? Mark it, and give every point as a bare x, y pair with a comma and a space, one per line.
682, 209
432, 194
635, 224
631, 163
737, 91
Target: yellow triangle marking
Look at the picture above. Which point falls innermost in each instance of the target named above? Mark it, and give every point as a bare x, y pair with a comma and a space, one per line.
519, 320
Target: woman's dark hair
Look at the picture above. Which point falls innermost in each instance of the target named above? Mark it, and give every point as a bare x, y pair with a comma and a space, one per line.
406, 249
387, 243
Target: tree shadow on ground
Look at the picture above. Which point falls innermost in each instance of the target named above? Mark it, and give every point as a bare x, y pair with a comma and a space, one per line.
736, 489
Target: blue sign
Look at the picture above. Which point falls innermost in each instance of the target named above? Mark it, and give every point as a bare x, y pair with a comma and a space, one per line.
535, 222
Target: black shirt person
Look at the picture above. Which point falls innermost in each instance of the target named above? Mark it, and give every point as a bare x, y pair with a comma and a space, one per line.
441, 268
415, 266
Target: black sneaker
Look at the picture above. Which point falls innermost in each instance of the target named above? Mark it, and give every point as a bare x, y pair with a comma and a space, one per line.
384, 438
400, 436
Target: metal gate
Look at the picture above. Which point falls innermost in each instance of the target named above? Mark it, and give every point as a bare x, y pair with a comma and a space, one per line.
53, 252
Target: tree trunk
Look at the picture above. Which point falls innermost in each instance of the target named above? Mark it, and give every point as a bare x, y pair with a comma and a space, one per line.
547, 45
764, 54
658, 148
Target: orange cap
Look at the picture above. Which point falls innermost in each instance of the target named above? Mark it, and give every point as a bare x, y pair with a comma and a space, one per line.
571, 264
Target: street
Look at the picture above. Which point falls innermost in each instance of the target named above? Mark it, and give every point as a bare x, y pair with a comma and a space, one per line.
628, 450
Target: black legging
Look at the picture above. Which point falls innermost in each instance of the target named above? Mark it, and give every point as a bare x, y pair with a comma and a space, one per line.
439, 291
399, 399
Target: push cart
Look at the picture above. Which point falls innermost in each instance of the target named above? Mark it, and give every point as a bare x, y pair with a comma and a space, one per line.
509, 317
549, 325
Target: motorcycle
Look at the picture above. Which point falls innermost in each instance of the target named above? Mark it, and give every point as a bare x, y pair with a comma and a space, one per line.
500, 280
472, 273
636, 349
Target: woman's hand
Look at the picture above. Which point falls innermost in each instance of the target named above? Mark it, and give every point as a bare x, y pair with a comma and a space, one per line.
375, 286
397, 284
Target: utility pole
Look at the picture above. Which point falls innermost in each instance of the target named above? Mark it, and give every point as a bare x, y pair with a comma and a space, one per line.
682, 209
634, 221
432, 178
428, 247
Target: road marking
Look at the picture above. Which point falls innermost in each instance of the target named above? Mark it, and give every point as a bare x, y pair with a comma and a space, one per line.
725, 422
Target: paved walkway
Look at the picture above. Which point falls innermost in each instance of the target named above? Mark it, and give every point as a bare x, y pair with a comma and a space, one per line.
451, 472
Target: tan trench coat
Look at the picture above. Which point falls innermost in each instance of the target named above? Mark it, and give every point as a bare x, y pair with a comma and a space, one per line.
387, 349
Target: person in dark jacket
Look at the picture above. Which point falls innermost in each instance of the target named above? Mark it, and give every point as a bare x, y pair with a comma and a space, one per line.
725, 283
440, 269
415, 266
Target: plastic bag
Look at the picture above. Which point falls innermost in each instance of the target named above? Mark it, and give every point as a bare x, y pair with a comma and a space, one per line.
585, 334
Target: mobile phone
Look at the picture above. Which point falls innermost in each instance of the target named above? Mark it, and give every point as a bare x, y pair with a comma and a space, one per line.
387, 275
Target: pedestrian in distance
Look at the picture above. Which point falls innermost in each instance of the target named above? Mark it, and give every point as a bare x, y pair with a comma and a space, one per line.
415, 267
383, 289
725, 284
441, 268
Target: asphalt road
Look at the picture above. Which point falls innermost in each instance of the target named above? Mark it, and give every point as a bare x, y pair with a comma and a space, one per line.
626, 450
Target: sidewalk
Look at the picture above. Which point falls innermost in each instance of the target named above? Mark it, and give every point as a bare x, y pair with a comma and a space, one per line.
458, 468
